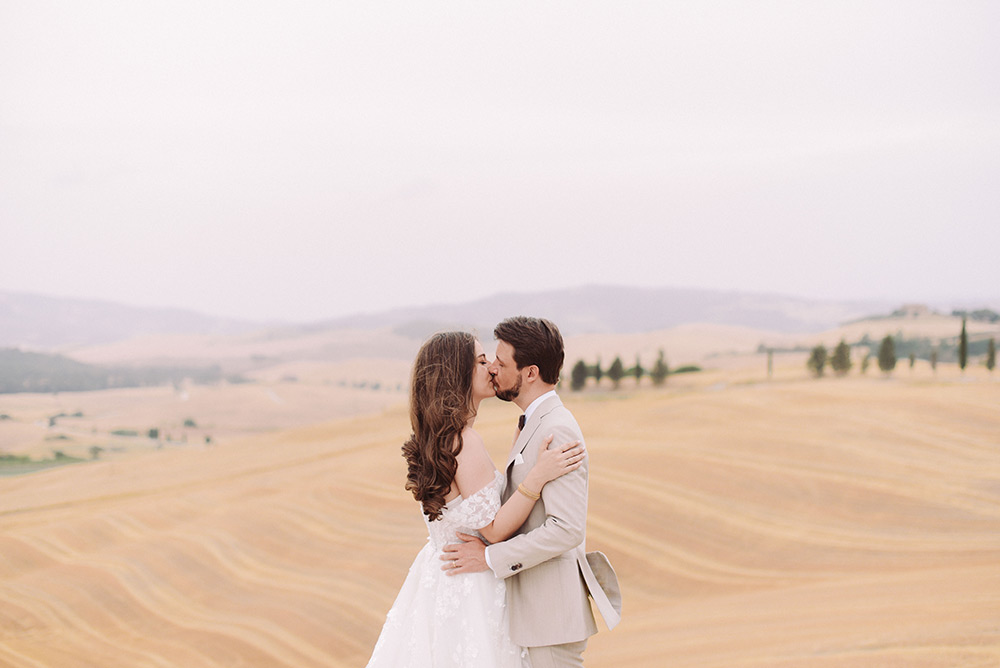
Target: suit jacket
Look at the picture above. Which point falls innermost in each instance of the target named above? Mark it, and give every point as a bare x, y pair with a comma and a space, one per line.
549, 575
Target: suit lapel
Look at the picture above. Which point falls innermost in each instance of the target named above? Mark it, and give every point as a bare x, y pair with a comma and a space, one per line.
530, 427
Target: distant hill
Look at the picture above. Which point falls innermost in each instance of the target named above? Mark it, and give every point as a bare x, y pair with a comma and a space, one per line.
22, 371
39, 322
617, 310
48, 323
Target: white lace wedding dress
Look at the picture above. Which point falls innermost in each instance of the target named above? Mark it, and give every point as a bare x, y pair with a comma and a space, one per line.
450, 621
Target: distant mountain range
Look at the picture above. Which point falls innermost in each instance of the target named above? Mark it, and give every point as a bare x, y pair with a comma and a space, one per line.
618, 310
48, 323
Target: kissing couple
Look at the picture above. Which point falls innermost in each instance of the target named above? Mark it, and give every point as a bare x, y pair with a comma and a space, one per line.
504, 580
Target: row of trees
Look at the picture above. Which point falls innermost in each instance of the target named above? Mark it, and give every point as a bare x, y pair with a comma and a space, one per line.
618, 371
840, 361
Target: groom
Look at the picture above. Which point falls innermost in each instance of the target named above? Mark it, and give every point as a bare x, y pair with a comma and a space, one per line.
549, 575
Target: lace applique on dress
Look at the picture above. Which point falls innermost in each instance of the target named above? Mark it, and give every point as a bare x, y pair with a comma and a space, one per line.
450, 621
466, 515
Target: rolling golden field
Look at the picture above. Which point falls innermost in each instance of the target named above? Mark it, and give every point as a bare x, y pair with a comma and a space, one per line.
793, 522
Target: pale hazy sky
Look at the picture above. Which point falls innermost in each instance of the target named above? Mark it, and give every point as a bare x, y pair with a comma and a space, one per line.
303, 160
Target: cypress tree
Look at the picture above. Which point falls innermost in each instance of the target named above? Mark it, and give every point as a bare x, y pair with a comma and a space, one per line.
963, 348
578, 376
660, 371
638, 371
991, 354
841, 360
616, 371
817, 360
887, 355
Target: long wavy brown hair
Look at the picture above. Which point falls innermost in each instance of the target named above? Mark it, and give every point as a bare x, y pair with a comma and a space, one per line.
440, 407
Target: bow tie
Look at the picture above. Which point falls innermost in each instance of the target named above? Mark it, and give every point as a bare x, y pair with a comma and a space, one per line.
520, 423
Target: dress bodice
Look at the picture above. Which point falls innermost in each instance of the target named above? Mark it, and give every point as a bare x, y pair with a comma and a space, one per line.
466, 515
450, 621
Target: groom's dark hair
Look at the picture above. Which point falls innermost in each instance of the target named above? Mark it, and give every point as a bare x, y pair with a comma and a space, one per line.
535, 341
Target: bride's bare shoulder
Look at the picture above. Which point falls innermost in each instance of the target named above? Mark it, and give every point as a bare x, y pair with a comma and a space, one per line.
475, 468
472, 440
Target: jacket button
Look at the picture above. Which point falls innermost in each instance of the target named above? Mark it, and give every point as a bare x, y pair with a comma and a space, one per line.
515, 567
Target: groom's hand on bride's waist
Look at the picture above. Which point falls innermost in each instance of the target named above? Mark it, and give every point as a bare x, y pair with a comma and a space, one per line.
469, 556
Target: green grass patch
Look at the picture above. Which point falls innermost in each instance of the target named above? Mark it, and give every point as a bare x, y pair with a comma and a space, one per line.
20, 464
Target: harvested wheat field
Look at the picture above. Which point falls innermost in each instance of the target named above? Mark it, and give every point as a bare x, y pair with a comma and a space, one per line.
833, 522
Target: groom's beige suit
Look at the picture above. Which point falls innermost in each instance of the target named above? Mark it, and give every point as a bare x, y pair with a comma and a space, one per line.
548, 573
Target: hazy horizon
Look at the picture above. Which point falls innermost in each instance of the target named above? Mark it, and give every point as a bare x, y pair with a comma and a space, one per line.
939, 306
307, 162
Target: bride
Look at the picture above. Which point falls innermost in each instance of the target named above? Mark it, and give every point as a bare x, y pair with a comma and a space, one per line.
439, 621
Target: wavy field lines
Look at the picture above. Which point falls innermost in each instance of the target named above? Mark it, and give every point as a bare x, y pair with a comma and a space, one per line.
823, 523
833, 523
216, 558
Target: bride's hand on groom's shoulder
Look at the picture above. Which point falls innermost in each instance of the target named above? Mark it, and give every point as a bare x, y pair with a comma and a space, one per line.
558, 461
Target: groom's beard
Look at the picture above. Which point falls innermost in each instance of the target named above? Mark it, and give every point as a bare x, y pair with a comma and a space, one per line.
511, 394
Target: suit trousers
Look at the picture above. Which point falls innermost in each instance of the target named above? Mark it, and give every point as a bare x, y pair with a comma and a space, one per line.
569, 655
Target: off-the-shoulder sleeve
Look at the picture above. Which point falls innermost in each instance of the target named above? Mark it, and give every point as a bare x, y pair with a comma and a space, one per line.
481, 507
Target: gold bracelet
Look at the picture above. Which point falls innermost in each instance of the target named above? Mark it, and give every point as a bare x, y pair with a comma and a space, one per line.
531, 495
